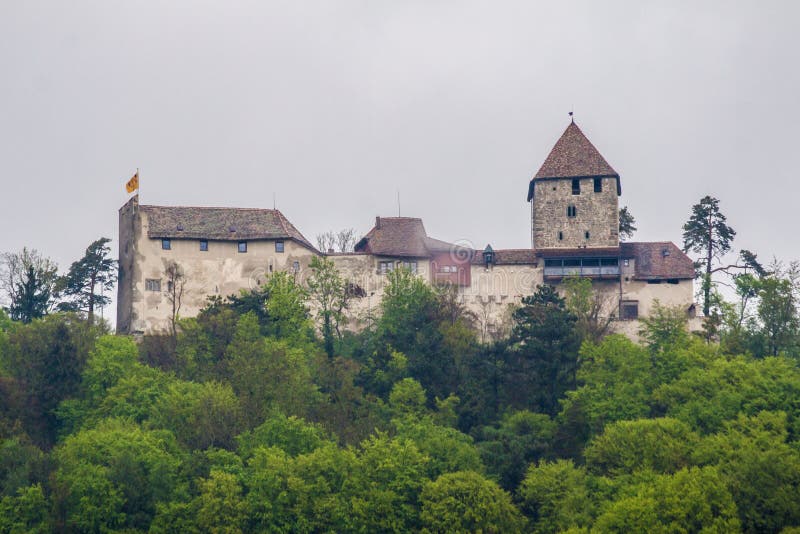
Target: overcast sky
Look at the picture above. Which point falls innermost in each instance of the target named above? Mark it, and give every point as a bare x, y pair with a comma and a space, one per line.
335, 106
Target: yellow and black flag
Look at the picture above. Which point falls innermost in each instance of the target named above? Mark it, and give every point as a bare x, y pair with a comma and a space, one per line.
133, 183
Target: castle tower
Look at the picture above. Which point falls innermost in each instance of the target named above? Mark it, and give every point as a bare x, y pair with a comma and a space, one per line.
574, 197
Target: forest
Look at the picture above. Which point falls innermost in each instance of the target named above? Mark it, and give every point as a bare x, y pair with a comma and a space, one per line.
259, 415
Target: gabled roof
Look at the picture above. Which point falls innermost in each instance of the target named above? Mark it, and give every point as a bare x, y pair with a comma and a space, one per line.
222, 224
574, 156
658, 260
401, 237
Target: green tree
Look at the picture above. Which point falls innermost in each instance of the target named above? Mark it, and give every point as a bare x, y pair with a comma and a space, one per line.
627, 224
111, 476
220, 505
707, 233
328, 291
89, 278
292, 435
269, 374
286, 308
691, 500
706, 398
665, 328
518, 439
543, 359
29, 281
555, 496
777, 310
662, 445
467, 502
200, 415
45, 360
617, 378
26, 512
756, 457
590, 307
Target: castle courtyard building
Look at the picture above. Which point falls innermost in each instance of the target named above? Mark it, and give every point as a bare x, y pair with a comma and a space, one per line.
574, 232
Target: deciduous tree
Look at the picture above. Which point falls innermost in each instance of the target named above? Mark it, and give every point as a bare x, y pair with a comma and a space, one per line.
29, 281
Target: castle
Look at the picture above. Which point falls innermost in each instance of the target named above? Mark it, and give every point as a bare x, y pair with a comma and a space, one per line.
574, 200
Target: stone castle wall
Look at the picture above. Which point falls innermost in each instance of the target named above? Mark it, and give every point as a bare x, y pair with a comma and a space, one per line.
596, 213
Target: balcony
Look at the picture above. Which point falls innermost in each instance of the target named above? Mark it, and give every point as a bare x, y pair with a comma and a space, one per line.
587, 267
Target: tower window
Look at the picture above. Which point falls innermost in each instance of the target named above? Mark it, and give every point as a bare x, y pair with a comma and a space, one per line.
598, 185
560, 236
204, 245
242, 246
572, 211
576, 186
166, 244
279, 246
586, 234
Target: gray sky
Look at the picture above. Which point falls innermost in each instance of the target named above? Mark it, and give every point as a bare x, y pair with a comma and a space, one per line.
334, 106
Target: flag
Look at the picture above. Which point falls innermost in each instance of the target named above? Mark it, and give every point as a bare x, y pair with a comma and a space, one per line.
133, 183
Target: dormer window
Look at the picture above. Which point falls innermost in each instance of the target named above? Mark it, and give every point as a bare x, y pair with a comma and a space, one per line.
488, 256
576, 186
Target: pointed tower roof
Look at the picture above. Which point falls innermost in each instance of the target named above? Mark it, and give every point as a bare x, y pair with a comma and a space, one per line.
574, 156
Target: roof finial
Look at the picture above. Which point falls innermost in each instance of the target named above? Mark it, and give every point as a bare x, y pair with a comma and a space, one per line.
571, 115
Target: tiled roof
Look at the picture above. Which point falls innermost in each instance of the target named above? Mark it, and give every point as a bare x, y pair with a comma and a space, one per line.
574, 155
510, 256
225, 224
402, 237
658, 260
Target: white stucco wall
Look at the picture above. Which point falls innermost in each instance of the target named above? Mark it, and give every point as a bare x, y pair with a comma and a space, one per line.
222, 270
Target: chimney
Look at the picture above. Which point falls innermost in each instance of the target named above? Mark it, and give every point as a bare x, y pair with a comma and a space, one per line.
378, 222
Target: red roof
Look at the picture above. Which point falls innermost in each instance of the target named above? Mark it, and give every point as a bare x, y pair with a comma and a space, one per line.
659, 260
574, 156
402, 237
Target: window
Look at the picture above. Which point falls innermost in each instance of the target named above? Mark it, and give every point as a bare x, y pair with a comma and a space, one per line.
169, 286
572, 211
242, 246
560, 236
278, 246
203, 245
152, 284
295, 266
411, 266
166, 244
629, 310
598, 185
576, 186
586, 234
385, 267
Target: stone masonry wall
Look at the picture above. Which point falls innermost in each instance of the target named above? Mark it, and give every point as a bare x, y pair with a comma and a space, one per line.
597, 213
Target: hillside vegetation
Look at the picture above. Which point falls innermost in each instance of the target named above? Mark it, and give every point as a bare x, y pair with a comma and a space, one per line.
245, 420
